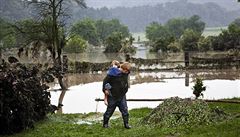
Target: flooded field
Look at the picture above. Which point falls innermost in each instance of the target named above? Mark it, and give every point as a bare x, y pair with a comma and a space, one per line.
85, 88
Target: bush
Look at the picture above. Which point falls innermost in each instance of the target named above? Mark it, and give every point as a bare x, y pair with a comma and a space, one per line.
23, 99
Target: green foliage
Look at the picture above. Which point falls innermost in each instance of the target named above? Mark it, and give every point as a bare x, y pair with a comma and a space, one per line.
228, 39
75, 45
189, 40
63, 125
205, 44
24, 100
156, 31
7, 37
185, 113
177, 26
114, 42
106, 28
189, 30
236, 22
174, 47
96, 32
161, 44
127, 46
87, 30
198, 88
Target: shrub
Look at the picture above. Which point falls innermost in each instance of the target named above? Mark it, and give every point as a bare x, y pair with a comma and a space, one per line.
23, 98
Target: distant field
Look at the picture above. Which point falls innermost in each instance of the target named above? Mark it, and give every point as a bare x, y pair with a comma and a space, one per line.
211, 31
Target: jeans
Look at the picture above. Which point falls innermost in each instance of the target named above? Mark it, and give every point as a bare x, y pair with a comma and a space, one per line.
113, 103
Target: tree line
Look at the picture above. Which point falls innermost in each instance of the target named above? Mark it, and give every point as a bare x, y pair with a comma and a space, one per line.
185, 34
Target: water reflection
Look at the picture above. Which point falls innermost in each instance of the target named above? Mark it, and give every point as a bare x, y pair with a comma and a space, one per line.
85, 88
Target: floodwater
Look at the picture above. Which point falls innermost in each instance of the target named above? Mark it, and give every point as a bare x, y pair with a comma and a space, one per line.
85, 88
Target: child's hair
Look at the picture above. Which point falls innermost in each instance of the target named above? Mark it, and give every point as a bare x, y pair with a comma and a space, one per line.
115, 63
125, 66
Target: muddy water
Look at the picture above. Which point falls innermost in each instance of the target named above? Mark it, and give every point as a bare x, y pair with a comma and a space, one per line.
85, 88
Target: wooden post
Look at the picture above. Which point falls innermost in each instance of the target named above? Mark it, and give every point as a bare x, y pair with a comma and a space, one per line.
186, 58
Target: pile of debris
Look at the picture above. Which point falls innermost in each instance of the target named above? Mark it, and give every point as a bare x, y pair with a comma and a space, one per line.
175, 112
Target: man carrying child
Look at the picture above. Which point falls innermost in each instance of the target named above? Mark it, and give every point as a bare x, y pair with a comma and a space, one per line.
115, 87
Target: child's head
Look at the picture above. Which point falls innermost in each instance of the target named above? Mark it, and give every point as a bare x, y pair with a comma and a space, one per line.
125, 67
115, 63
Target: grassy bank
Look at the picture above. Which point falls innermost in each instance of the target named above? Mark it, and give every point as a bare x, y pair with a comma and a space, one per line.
89, 125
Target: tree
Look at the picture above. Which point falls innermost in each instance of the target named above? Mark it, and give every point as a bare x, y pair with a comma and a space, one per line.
87, 30
105, 28
127, 46
177, 26
156, 31
75, 44
162, 44
114, 43
52, 15
189, 40
205, 44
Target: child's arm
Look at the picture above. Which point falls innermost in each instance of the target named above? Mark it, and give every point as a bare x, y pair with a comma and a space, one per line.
105, 99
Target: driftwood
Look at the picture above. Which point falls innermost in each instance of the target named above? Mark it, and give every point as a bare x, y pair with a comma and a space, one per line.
207, 100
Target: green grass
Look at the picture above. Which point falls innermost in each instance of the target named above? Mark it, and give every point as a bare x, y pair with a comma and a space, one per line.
64, 126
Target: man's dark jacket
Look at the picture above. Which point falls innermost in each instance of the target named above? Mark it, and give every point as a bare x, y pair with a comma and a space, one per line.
119, 85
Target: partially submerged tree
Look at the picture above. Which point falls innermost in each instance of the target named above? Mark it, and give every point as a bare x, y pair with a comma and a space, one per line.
51, 23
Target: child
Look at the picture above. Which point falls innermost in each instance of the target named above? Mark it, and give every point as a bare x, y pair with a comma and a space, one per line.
113, 71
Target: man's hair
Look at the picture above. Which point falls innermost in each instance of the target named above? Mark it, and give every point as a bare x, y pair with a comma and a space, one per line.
125, 66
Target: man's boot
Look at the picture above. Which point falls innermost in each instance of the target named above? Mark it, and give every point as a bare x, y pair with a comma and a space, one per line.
125, 120
105, 122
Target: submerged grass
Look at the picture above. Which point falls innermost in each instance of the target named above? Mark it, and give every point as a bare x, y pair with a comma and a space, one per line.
65, 126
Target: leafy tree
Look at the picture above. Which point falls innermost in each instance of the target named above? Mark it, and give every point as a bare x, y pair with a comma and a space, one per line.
162, 44
127, 46
189, 40
114, 42
75, 45
106, 28
177, 26
228, 39
205, 44
174, 47
156, 31
98, 31
52, 15
87, 30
